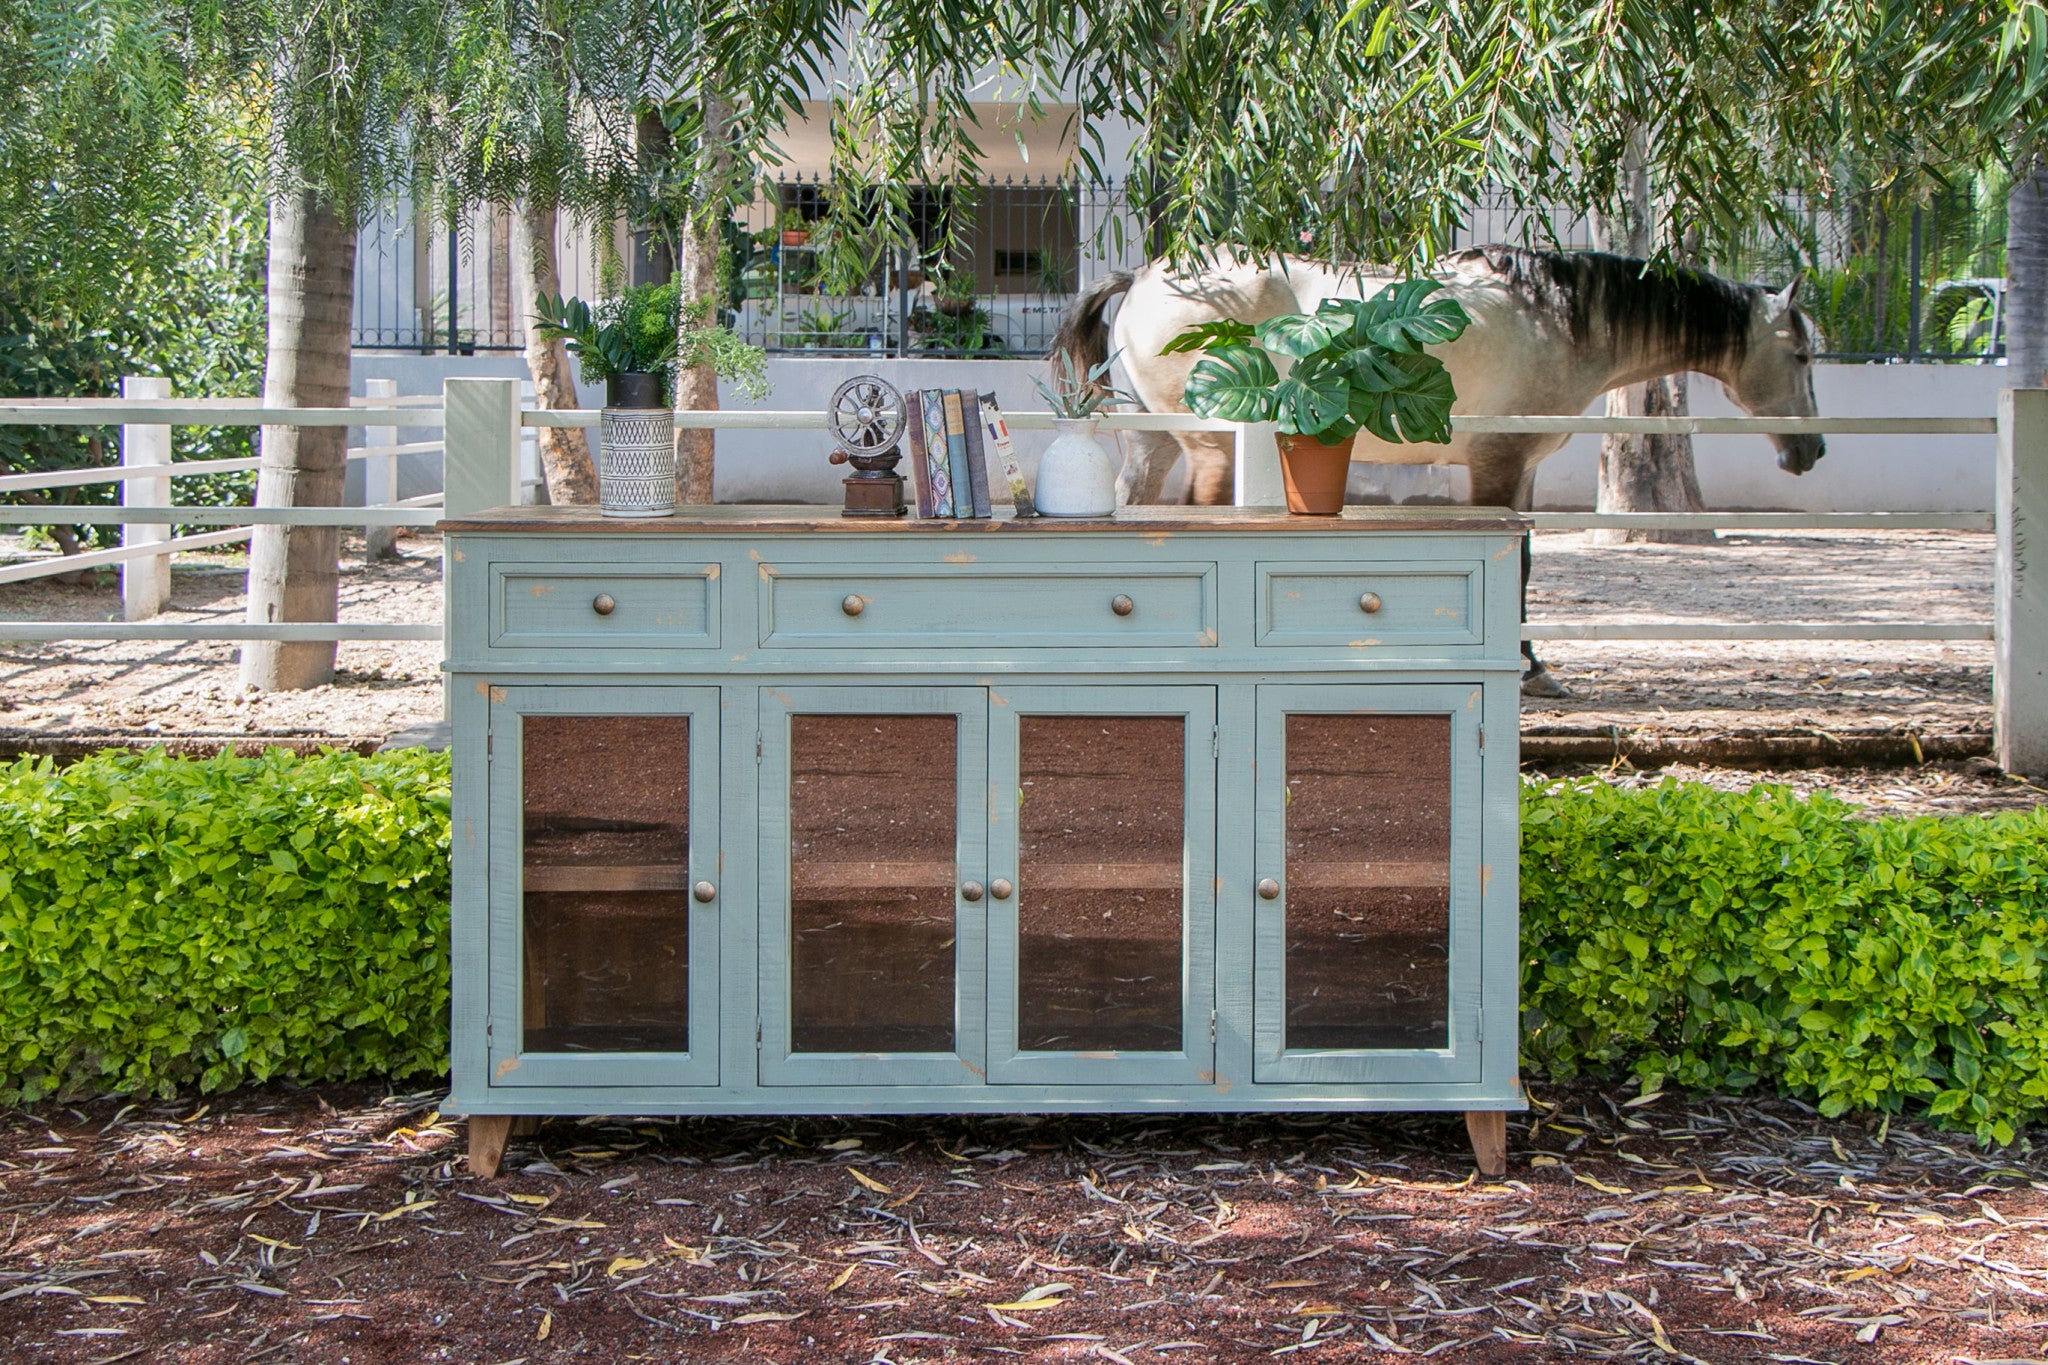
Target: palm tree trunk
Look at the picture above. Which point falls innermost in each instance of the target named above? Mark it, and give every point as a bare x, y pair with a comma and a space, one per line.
699, 253
2026, 277
564, 451
294, 571
1643, 473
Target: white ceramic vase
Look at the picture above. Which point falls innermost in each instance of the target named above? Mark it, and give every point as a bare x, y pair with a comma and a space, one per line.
1076, 476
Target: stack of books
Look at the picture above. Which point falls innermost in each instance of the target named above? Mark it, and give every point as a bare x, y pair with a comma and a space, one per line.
951, 437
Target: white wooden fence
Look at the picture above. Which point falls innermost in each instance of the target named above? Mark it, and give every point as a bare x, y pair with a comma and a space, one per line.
482, 423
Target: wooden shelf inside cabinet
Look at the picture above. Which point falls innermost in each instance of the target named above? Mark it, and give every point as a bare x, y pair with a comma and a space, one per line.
607, 877
1079, 877
1363, 876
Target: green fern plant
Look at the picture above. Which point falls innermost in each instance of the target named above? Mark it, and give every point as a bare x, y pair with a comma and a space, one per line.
648, 330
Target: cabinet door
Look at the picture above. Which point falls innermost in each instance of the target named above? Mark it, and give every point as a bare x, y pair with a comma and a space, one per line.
1366, 963
873, 820
604, 814
1102, 908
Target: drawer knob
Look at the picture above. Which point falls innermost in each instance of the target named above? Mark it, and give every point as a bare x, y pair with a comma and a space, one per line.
604, 604
853, 604
1122, 605
970, 891
1369, 603
1269, 890
704, 892
1000, 889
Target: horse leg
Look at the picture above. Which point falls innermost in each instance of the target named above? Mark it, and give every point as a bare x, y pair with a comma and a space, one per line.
1212, 467
1148, 459
1503, 476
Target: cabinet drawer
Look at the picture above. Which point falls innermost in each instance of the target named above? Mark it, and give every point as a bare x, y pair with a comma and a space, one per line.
549, 606
1369, 603
990, 606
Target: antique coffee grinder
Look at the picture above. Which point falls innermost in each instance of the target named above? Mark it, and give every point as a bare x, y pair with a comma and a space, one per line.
866, 417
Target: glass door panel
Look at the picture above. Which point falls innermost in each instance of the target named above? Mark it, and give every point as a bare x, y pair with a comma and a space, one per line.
1366, 959
612, 961
1100, 954
871, 830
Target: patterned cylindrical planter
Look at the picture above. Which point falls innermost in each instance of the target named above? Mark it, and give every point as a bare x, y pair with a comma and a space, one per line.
636, 458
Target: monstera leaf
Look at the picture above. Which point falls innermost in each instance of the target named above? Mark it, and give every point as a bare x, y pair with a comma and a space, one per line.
1298, 335
1211, 336
1314, 397
1417, 409
1234, 384
1407, 324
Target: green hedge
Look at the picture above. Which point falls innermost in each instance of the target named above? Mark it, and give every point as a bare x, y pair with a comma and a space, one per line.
171, 923
167, 923
1717, 940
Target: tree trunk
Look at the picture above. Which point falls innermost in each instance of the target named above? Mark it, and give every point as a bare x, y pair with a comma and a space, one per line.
294, 571
2026, 277
564, 451
499, 274
1643, 473
699, 251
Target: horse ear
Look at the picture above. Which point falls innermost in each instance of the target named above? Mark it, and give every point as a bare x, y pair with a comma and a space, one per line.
1783, 301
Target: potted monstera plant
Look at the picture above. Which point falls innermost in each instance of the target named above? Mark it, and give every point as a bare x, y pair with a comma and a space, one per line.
1356, 365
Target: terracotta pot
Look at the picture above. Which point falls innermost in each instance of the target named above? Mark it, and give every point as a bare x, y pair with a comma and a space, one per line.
795, 237
1314, 474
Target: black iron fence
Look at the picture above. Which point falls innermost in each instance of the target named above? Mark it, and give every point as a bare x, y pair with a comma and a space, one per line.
989, 273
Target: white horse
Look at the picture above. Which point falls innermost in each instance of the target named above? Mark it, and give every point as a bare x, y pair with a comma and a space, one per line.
1550, 332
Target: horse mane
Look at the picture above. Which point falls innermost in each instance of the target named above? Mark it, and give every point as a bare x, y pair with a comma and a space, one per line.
1704, 317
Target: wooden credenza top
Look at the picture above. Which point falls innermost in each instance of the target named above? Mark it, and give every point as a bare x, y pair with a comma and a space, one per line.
752, 518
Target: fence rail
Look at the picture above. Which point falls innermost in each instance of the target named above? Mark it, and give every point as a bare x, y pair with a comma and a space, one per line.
483, 419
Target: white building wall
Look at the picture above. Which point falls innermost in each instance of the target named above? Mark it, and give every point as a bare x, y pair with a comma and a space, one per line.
1737, 473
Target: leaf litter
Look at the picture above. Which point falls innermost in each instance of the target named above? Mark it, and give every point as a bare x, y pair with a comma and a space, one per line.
342, 1224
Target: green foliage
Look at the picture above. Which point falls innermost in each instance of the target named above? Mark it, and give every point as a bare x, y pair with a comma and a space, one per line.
1356, 365
648, 330
1724, 940
112, 263
166, 923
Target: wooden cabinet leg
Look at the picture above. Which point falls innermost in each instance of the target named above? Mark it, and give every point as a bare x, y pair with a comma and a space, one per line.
1489, 1132
487, 1136
526, 1125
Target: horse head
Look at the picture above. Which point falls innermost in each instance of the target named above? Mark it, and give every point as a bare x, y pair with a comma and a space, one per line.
1775, 375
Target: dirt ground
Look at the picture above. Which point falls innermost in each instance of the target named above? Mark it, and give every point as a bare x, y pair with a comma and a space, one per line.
340, 1225
1777, 576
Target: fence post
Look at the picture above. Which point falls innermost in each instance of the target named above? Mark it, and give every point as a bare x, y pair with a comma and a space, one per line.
479, 466
380, 473
1258, 466
2019, 678
480, 445
145, 583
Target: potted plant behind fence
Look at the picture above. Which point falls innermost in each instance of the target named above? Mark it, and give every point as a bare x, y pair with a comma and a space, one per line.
1076, 477
1356, 365
633, 345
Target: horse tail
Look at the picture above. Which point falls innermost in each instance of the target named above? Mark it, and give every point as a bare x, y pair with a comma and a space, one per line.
1084, 333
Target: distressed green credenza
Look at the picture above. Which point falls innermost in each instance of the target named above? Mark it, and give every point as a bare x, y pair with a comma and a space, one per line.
762, 810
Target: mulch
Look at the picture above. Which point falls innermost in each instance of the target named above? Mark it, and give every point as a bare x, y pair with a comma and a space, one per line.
340, 1225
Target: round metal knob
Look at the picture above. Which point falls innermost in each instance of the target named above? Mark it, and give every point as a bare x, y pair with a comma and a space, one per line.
1000, 889
1122, 605
970, 891
604, 604
1369, 603
1269, 890
853, 604
705, 893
